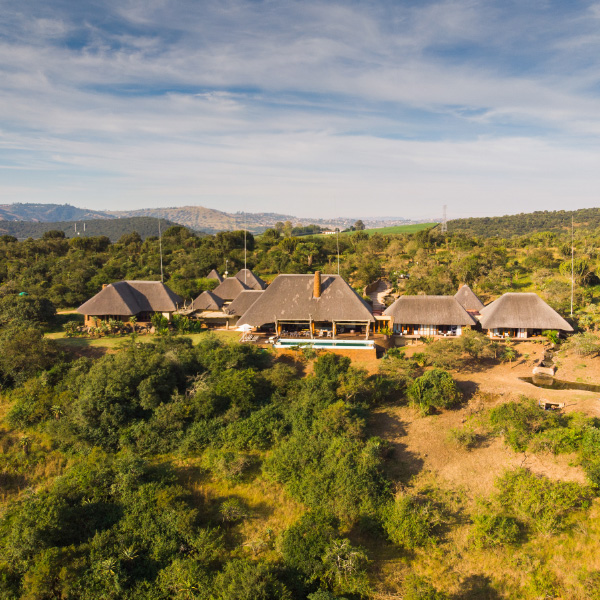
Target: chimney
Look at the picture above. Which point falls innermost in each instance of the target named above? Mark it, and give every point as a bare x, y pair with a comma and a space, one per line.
104, 285
317, 287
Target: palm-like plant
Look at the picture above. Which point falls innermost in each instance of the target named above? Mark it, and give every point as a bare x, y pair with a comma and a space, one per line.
133, 322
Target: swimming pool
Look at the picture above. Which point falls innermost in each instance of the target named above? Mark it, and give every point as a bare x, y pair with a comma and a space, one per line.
319, 344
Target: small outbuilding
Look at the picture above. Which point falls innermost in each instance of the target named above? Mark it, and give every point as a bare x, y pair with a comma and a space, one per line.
520, 316
126, 299
428, 316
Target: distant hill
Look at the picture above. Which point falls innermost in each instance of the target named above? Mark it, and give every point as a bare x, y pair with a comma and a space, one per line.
112, 228
211, 221
197, 218
47, 213
200, 218
527, 223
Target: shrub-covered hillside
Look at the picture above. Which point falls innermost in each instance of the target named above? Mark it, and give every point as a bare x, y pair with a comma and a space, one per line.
169, 470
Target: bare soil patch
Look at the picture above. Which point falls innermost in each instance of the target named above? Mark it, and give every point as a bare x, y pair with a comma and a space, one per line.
421, 444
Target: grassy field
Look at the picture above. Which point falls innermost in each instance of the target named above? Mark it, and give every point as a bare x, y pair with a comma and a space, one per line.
397, 229
114, 342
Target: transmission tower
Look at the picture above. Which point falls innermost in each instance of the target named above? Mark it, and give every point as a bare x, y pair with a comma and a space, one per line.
444, 222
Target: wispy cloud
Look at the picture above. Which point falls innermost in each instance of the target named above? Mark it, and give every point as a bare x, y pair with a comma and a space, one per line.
308, 107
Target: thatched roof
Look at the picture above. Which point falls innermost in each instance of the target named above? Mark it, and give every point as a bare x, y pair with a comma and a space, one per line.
243, 302
290, 297
207, 301
230, 289
468, 300
214, 275
248, 278
429, 310
128, 298
521, 310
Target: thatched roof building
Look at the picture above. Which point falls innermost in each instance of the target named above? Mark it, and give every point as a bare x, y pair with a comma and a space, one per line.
214, 275
131, 298
429, 310
207, 301
249, 279
230, 289
308, 299
521, 311
243, 302
468, 300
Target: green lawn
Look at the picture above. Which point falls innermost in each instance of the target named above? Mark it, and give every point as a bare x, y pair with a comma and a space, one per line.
396, 229
111, 342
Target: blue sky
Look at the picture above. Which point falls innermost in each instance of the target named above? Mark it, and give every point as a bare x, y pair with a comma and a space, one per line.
309, 108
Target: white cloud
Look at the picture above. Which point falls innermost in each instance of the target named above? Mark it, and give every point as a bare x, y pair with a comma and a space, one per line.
382, 108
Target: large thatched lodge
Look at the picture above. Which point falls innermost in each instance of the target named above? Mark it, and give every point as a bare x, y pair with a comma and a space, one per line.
321, 305
326, 306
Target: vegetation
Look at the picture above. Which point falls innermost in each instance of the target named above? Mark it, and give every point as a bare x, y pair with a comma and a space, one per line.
527, 223
112, 229
435, 389
162, 469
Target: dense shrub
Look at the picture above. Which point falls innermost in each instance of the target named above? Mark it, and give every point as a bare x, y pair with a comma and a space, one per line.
434, 389
24, 352
520, 421
412, 521
337, 474
584, 344
27, 309
493, 529
541, 503
247, 580
303, 545
420, 588
109, 524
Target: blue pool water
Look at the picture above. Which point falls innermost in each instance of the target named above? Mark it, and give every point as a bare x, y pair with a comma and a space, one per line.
319, 344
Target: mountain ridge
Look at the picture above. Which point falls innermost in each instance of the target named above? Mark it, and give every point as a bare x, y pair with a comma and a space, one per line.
198, 218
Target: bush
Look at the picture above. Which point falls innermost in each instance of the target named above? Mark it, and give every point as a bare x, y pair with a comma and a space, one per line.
435, 389
590, 454
337, 474
29, 309
247, 580
493, 529
520, 421
226, 464
584, 344
304, 543
444, 354
344, 568
463, 436
557, 440
419, 588
412, 521
233, 509
477, 345
539, 502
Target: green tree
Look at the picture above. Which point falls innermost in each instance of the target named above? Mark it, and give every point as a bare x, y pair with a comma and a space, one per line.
434, 389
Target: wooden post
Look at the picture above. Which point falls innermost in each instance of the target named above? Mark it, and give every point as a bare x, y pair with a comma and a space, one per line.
368, 326
334, 329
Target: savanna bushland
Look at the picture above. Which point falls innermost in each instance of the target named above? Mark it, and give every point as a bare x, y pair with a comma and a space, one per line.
169, 469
